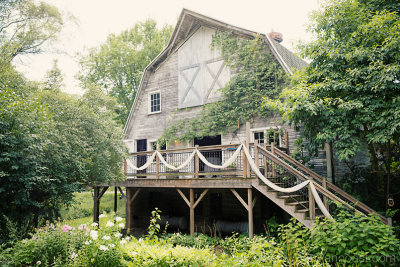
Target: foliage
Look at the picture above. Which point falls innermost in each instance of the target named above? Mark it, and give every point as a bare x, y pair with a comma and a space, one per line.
348, 239
54, 79
257, 74
355, 238
154, 227
349, 94
118, 64
56, 245
51, 144
25, 26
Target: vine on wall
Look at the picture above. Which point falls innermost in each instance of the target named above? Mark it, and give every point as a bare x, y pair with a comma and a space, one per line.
257, 75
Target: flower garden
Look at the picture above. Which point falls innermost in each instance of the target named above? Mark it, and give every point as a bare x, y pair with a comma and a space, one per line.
371, 243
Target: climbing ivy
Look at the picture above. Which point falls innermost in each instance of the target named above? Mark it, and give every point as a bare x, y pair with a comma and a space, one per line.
257, 74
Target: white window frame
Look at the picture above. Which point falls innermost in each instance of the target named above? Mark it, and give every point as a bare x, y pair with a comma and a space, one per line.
265, 130
149, 102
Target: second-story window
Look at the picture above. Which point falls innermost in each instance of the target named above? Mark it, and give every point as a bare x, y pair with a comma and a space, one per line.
155, 102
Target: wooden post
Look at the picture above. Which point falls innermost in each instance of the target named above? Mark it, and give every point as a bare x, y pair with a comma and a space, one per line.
128, 219
191, 212
273, 164
244, 161
256, 156
325, 199
248, 146
115, 200
265, 161
250, 211
286, 136
125, 167
196, 164
311, 204
157, 165
329, 165
96, 204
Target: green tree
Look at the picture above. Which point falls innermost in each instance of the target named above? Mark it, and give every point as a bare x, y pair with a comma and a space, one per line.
117, 65
350, 94
25, 26
54, 79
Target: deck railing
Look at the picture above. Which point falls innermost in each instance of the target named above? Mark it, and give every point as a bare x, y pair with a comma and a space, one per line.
194, 169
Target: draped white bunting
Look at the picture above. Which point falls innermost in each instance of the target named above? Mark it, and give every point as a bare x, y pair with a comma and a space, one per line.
287, 190
172, 167
319, 202
147, 164
226, 164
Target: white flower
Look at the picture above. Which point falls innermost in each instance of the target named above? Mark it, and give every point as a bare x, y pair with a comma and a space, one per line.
94, 235
95, 224
123, 241
110, 224
87, 242
140, 240
74, 255
118, 219
38, 262
102, 215
121, 225
106, 237
104, 248
112, 246
134, 253
117, 235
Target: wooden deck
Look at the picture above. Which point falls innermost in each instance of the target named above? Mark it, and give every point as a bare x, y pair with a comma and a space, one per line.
277, 169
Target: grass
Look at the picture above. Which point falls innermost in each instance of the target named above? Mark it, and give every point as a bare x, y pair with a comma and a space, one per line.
81, 211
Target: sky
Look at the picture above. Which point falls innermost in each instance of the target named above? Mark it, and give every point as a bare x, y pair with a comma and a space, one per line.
96, 19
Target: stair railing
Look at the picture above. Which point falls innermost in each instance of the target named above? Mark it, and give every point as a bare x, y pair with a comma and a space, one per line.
327, 189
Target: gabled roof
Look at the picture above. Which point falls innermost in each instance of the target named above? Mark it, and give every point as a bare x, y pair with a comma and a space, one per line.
189, 22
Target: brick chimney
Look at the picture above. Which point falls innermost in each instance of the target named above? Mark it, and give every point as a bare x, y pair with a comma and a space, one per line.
277, 36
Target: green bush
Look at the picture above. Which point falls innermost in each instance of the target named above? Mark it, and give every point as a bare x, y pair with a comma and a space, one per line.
355, 239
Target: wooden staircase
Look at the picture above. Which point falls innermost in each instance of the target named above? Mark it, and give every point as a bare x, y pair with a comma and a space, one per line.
284, 171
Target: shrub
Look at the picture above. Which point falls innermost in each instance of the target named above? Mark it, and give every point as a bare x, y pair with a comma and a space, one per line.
354, 238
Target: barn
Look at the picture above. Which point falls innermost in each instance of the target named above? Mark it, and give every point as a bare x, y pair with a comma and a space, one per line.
232, 182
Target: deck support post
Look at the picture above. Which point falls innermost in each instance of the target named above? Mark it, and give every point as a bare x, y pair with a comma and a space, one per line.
96, 204
192, 205
191, 212
96, 201
248, 206
115, 200
250, 211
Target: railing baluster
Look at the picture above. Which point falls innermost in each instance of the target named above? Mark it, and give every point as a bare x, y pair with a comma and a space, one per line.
158, 165
244, 161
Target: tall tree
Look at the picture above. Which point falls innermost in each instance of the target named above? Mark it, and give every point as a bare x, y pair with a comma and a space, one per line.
350, 94
117, 65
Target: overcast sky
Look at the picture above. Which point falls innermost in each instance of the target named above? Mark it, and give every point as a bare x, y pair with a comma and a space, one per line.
96, 19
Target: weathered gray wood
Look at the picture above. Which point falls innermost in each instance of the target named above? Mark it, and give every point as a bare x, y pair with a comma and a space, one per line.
250, 211
191, 206
128, 203
248, 145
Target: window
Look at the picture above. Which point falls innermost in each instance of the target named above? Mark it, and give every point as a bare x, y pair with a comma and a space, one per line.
268, 135
155, 102
259, 136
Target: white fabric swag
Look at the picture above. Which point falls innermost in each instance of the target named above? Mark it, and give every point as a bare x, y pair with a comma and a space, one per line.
147, 164
287, 190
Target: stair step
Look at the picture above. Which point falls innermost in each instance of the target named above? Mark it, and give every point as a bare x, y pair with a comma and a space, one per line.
297, 203
303, 211
289, 196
